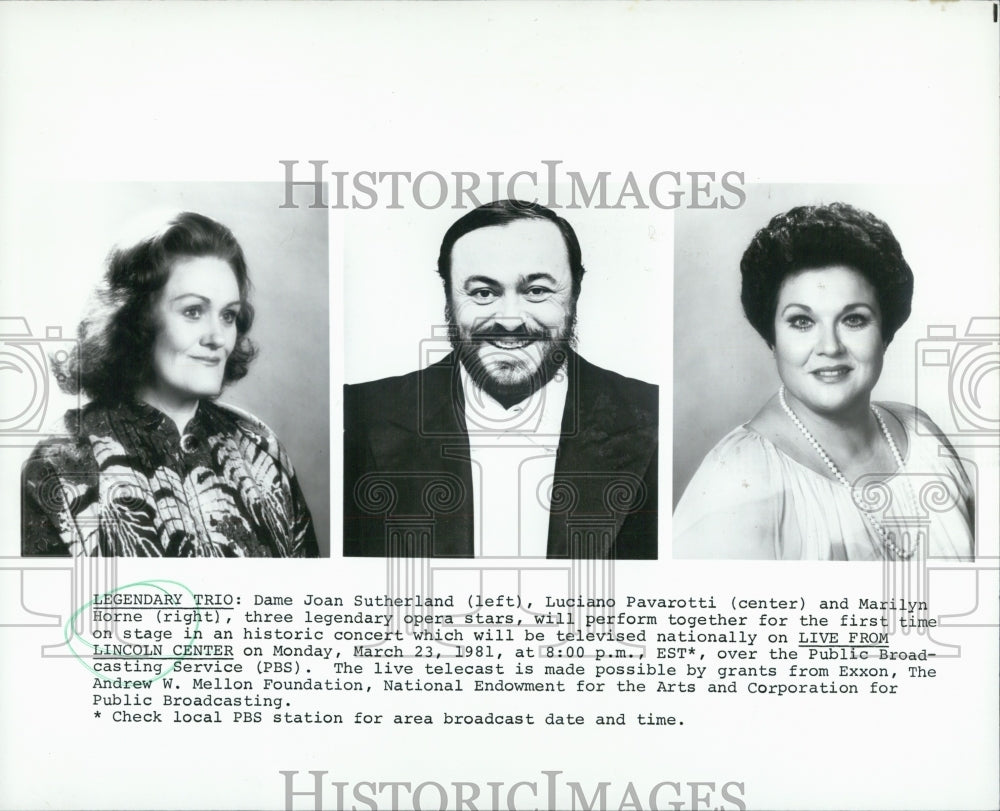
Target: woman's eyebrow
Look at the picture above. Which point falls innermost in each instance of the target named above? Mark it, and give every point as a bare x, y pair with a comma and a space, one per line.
853, 305
805, 307
205, 299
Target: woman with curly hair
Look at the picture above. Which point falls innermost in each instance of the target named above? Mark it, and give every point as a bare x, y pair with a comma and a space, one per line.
821, 472
153, 465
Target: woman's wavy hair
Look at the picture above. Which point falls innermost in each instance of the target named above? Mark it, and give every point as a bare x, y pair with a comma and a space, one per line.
823, 236
113, 355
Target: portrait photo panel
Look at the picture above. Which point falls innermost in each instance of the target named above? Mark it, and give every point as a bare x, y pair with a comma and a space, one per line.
503, 598
285, 390
725, 372
511, 273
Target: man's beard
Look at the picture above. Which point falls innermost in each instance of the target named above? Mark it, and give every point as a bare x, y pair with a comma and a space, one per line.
511, 374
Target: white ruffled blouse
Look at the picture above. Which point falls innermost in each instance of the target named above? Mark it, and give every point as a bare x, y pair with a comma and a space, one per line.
749, 500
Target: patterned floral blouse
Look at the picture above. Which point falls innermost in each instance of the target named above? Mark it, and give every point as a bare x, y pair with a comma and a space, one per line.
123, 482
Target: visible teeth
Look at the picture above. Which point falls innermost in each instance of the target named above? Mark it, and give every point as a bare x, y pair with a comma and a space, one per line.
510, 344
832, 372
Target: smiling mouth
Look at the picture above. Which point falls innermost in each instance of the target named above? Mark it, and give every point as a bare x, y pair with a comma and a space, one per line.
207, 361
510, 343
832, 374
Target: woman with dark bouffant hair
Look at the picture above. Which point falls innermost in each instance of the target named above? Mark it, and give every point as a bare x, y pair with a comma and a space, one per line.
821, 472
153, 465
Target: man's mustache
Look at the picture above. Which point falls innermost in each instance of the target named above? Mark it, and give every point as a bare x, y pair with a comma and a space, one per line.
521, 333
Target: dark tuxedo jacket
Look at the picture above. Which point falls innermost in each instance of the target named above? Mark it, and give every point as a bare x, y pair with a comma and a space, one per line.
408, 474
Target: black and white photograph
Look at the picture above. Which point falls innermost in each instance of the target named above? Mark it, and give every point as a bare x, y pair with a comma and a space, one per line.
824, 463
619, 383
170, 453
509, 443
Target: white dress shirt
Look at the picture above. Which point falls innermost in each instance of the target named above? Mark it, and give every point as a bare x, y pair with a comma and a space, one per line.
513, 452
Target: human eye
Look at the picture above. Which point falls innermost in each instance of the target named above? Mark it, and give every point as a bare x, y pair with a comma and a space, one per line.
482, 295
192, 311
857, 320
537, 293
800, 322
229, 316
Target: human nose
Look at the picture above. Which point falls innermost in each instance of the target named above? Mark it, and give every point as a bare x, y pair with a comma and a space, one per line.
212, 336
828, 340
510, 313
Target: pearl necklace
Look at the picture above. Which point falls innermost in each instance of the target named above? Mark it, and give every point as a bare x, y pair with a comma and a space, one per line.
886, 537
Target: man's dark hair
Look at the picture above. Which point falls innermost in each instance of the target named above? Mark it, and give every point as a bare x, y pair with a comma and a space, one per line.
113, 356
504, 212
812, 237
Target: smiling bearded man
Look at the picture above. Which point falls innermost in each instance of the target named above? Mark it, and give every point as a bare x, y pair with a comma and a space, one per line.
513, 445
511, 306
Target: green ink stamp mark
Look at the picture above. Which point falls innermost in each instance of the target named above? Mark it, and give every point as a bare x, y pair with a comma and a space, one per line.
88, 649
